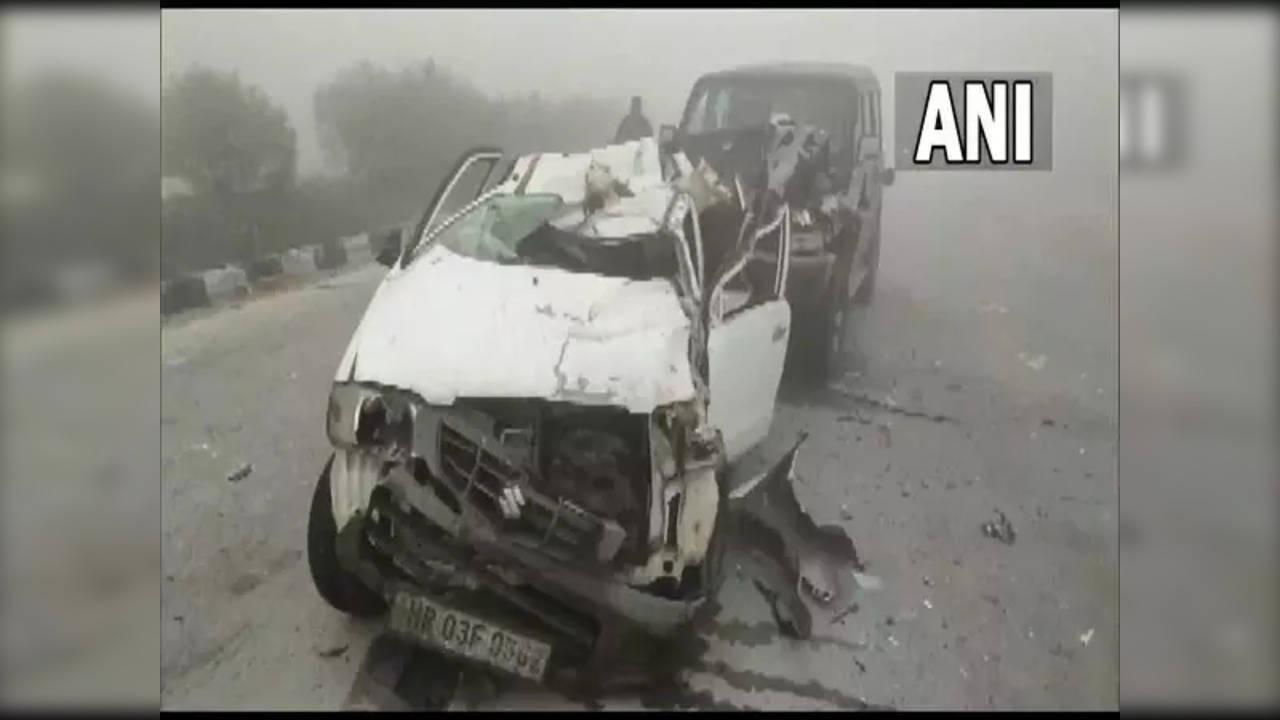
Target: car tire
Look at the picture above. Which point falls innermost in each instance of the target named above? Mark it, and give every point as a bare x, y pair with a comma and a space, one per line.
339, 588
824, 332
866, 292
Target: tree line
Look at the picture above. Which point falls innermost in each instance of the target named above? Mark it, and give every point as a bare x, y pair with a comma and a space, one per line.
393, 133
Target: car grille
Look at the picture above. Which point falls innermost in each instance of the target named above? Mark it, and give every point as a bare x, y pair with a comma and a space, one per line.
557, 527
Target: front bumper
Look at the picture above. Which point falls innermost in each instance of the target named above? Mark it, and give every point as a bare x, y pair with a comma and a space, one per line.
590, 622
416, 500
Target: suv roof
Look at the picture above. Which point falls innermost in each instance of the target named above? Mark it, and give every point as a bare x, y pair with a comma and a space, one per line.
859, 74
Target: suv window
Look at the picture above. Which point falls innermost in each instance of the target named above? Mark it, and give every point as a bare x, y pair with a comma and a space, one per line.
736, 103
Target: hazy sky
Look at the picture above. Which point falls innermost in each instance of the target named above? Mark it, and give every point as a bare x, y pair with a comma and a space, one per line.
657, 54
653, 53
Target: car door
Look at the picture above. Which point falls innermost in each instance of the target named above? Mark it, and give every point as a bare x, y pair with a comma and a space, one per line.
470, 177
748, 329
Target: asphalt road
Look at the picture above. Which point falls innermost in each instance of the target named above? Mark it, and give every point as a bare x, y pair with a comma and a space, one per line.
995, 317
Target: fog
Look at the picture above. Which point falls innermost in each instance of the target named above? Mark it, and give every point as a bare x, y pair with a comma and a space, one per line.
656, 54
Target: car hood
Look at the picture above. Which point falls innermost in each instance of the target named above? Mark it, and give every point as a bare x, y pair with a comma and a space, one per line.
449, 326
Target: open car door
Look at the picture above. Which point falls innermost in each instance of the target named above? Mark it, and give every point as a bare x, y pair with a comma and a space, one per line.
471, 176
748, 329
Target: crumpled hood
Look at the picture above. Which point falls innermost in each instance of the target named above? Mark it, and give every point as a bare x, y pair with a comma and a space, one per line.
449, 326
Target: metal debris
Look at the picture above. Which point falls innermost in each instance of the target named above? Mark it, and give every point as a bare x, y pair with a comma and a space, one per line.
798, 566
332, 652
1000, 529
867, 582
240, 473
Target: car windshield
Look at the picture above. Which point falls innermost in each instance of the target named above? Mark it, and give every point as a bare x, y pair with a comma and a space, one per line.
739, 103
493, 230
517, 230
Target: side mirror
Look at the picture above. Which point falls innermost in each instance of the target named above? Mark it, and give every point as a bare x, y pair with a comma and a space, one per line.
666, 135
887, 175
389, 252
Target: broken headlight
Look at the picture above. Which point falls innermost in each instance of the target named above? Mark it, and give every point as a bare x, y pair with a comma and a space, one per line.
364, 417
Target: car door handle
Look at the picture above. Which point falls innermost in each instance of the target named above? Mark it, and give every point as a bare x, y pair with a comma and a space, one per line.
779, 332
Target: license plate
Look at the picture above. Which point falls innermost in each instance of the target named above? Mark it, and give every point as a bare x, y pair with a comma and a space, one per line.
464, 635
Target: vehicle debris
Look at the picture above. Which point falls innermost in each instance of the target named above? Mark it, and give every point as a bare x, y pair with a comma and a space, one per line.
240, 473
799, 566
867, 582
1000, 528
332, 652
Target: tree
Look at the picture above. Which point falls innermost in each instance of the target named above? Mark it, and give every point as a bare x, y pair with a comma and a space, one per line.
224, 136
236, 148
394, 127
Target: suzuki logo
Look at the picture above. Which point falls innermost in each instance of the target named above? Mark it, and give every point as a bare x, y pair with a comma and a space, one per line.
511, 501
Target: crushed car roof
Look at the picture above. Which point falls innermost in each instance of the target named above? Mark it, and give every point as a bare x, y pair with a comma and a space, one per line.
635, 165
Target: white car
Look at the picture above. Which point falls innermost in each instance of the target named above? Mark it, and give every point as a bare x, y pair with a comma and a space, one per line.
533, 420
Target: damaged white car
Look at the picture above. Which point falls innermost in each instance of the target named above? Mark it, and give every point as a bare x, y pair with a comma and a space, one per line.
533, 420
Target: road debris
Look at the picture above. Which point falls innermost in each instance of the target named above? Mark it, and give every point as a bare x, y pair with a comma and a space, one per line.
332, 652
928, 605
240, 473
867, 582
1086, 637
1000, 529
840, 616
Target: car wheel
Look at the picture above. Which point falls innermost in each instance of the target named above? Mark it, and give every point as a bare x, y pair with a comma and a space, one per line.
867, 290
828, 333
339, 588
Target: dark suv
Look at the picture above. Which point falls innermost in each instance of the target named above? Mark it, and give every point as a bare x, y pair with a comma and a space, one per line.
737, 119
